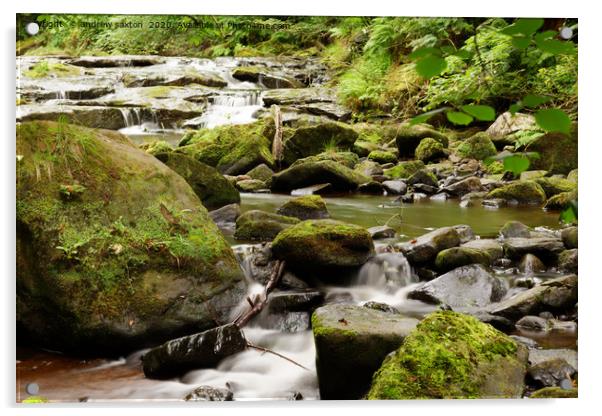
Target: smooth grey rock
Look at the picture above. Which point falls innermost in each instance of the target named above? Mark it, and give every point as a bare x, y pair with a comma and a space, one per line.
209, 394
395, 187
466, 286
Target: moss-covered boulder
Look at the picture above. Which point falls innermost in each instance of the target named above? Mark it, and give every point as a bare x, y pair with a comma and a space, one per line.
232, 149
425, 248
452, 356
404, 170
408, 137
557, 152
369, 168
128, 259
341, 178
211, 187
554, 185
451, 258
252, 185
520, 192
382, 156
570, 237
478, 147
347, 159
261, 226
429, 149
309, 139
351, 343
321, 245
262, 173
306, 207
561, 201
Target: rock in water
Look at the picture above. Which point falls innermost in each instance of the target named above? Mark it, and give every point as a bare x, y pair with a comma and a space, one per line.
473, 285
305, 207
450, 355
451, 258
323, 245
202, 350
209, 394
426, 247
520, 192
351, 342
340, 177
261, 226
211, 187
129, 260
555, 294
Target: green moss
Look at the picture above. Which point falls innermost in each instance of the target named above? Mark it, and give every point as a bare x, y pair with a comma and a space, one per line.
523, 192
305, 207
554, 185
326, 331
347, 159
232, 149
496, 167
442, 358
554, 393
429, 149
561, 201
451, 258
409, 136
257, 225
404, 170
477, 147
45, 69
382, 156
156, 147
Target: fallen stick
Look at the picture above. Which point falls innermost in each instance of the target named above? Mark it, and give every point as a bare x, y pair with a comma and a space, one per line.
257, 347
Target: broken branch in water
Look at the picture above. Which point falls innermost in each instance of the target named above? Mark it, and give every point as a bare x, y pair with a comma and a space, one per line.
259, 303
257, 347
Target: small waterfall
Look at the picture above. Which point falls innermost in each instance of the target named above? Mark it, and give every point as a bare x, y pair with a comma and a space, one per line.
131, 116
234, 107
61, 95
389, 271
139, 121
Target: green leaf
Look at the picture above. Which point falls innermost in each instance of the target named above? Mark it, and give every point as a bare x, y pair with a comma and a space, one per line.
532, 100
424, 117
521, 42
480, 112
552, 120
556, 47
516, 164
523, 26
430, 66
515, 108
459, 118
424, 52
570, 214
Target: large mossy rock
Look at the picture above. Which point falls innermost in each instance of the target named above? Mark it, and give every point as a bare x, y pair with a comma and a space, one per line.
308, 139
347, 159
231, 149
478, 147
114, 249
520, 192
208, 184
408, 137
351, 343
261, 226
323, 245
452, 356
340, 178
429, 149
403, 170
557, 152
306, 207
451, 258
554, 185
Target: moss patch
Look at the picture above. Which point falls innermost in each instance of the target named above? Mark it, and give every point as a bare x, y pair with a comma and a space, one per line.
44, 69
523, 192
404, 170
477, 147
429, 149
446, 356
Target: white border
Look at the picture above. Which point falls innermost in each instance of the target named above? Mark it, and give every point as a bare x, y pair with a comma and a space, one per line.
589, 164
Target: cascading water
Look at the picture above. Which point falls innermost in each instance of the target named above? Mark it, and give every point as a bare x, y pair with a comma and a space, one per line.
232, 107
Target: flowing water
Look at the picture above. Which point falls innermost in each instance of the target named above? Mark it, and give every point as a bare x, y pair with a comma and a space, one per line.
251, 374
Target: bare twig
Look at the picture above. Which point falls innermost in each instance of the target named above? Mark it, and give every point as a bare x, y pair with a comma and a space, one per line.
257, 347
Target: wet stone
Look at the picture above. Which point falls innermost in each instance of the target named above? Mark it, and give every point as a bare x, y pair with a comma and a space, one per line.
209, 394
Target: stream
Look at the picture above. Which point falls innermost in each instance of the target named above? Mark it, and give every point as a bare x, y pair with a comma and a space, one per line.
251, 375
